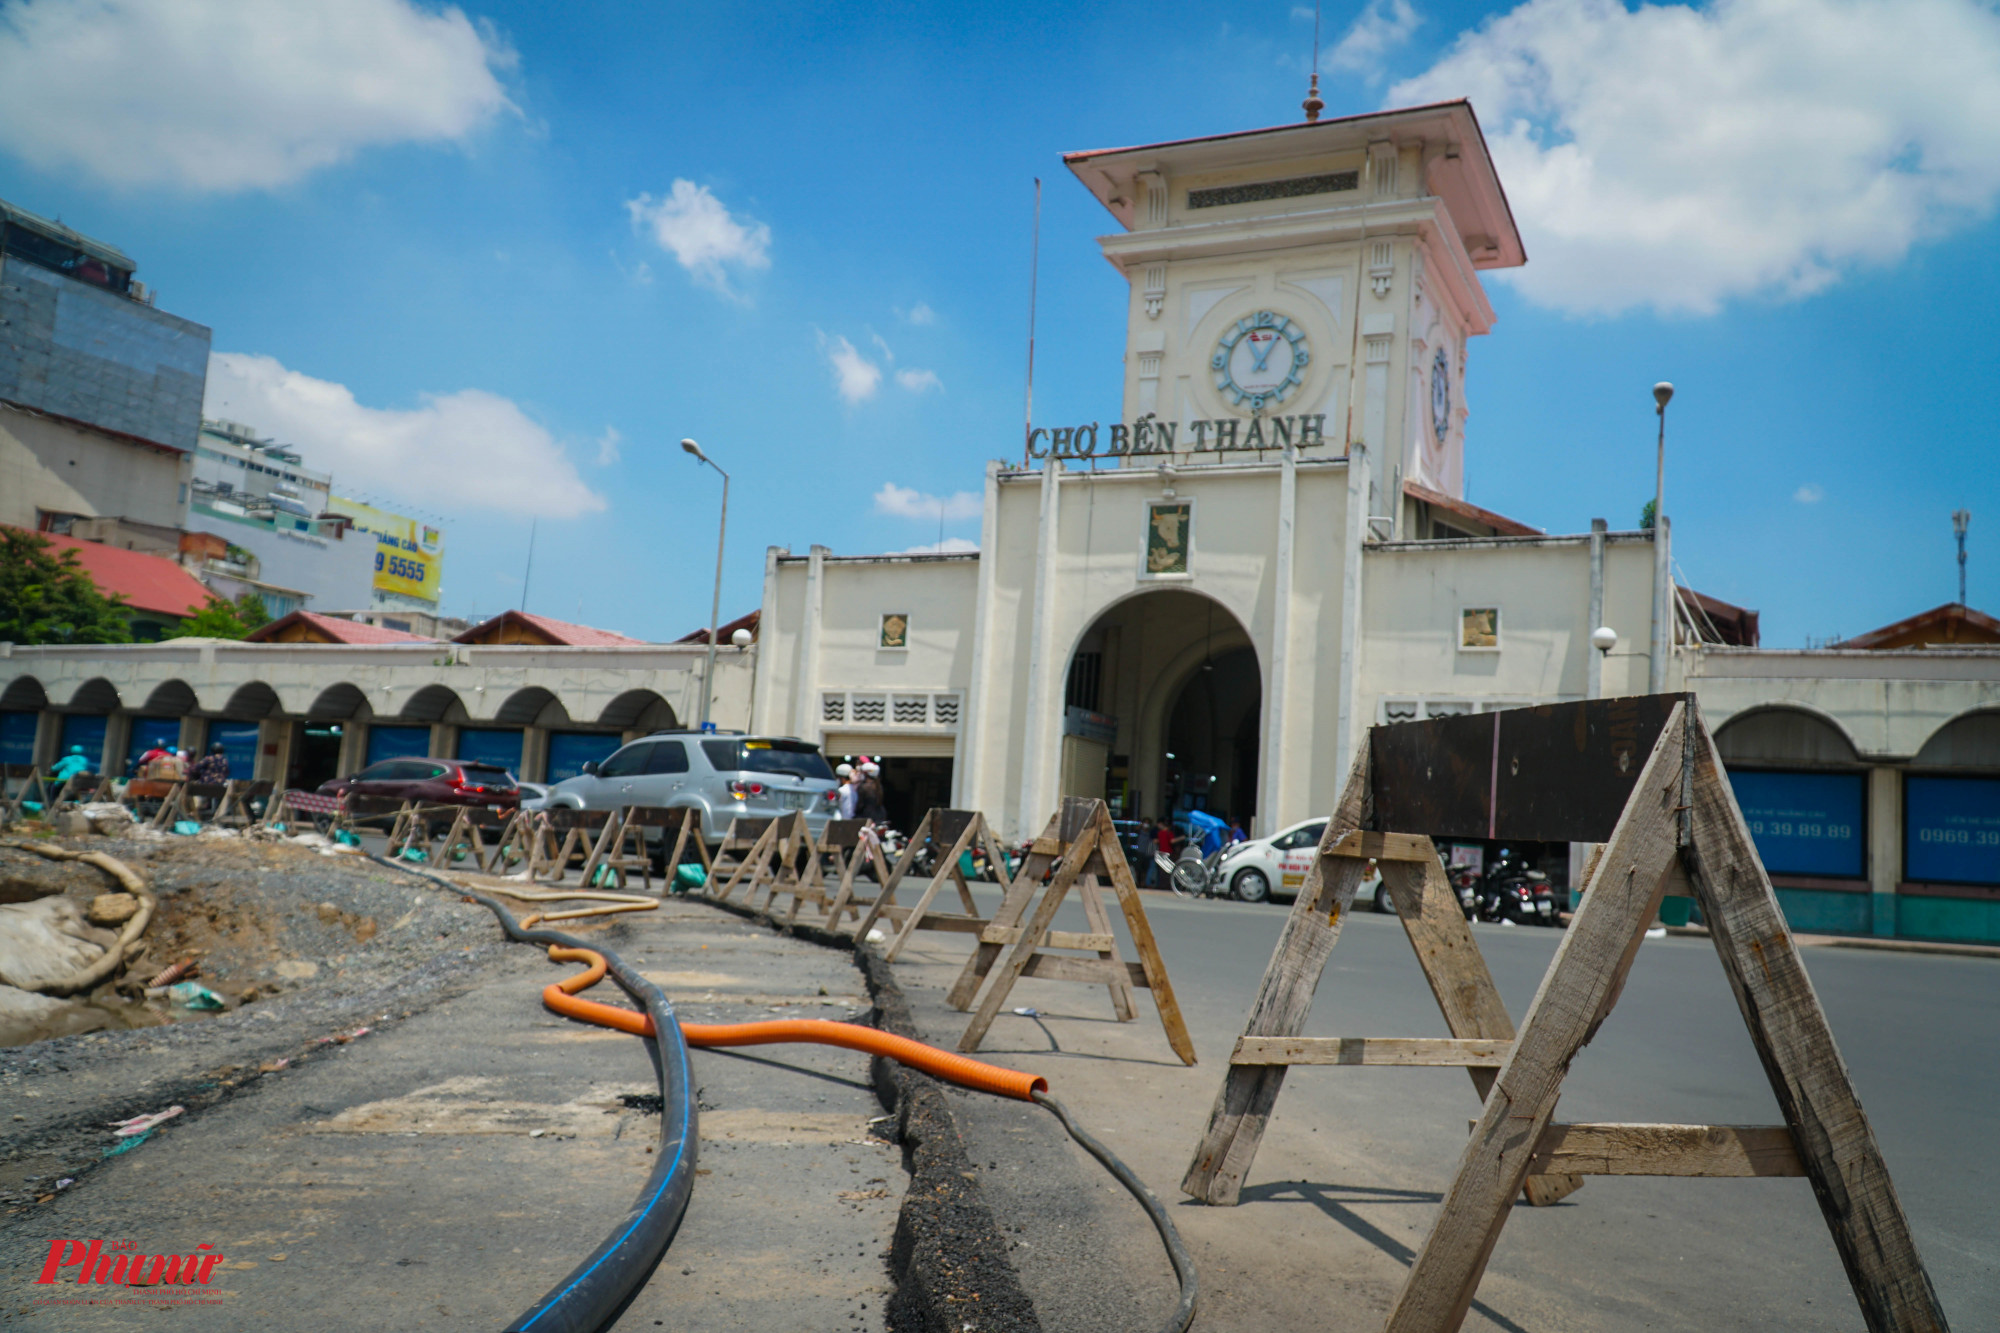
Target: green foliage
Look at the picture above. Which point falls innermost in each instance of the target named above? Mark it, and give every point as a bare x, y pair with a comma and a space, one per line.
223, 620
47, 597
1646, 517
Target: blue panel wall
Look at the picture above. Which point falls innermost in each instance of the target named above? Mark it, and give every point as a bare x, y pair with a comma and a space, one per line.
1966, 920
491, 745
398, 743
1806, 823
239, 746
87, 730
17, 737
1827, 912
148, 732
1951, 830
570, 750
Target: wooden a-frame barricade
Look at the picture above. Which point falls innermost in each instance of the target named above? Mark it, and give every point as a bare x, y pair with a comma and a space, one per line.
774, 863
950, 833
1077, 847
850, 848
683, 824
745, 841
1640, 776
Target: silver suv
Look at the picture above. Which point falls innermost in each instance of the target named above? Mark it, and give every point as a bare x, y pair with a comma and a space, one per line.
721, 775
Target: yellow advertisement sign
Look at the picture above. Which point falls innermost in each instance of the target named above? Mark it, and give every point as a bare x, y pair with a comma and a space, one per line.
409, 555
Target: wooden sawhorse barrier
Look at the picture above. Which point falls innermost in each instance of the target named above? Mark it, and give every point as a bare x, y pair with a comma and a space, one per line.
743, 843
850, 848
1428, 907
683, 826
25, 778
1641, 776
1080, 845
951, 833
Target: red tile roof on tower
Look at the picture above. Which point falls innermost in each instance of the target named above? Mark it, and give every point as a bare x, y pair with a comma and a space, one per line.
146, 582
310, 627
510, 627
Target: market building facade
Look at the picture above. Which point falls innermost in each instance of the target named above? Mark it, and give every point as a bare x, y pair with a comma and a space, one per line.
1208, 601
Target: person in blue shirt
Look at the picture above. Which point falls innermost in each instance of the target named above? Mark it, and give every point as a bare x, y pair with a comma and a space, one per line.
70, 765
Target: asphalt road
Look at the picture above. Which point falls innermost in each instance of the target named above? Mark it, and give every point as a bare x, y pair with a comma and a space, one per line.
1350, 1173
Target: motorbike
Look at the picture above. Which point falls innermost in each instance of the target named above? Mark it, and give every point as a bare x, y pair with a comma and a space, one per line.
1465, 883
1514, 894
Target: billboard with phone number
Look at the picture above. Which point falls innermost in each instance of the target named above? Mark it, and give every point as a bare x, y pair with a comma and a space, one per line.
1805, 823
1951, 830
409, 555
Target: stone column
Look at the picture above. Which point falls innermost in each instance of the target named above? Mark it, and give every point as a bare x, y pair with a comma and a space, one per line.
1041, 724
1885, 845
1273, 811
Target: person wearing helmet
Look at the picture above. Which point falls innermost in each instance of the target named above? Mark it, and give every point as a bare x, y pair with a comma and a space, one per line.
848, 791
868, 796
70, 765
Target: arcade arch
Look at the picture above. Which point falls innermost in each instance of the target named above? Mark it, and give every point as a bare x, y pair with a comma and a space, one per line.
1163, 708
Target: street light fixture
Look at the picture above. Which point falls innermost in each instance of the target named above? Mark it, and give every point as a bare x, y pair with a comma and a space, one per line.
1656, 672
715, 605
1604, 639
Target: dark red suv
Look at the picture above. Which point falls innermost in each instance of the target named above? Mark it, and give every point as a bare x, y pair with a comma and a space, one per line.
432, 782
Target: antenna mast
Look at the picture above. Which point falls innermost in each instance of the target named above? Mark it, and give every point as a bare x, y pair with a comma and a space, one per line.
1034, 271
1961, 519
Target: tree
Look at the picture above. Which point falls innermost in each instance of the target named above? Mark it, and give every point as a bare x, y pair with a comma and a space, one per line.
46, 596
223, 620
1646, 517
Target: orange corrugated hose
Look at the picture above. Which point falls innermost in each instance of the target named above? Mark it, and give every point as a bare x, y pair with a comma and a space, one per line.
561, 997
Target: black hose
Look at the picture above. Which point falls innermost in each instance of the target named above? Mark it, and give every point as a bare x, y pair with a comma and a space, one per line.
596, 1293
1177, 1251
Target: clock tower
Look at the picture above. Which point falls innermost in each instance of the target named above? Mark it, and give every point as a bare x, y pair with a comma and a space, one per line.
1327, 269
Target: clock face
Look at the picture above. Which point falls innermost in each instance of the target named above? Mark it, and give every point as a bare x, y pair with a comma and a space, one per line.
1260, 359
1440, 395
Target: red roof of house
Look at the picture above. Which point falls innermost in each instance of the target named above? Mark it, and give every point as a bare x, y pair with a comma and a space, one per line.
1502, 525
520, 627
310, 627
1941, 626
146, 582
724, 633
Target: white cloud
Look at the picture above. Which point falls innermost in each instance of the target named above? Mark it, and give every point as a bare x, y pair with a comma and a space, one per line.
607, 446
220, 95
1677, 158
920, 313
903, 502
1809, 494
919, 381
882, 346
1382, 26
470, 449
949, 546
705, 238
855, 377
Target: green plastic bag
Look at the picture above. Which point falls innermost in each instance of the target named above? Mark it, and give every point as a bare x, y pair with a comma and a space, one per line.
194, 996
187, 828
347, 837
690, 875
414, 854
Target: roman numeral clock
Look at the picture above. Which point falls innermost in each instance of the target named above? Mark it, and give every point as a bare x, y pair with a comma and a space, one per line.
1260, 359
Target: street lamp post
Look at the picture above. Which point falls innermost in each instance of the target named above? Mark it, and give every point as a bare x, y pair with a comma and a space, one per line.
1663, 631
715, 605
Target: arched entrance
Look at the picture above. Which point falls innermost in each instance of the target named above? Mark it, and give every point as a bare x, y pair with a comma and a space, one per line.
1163, 709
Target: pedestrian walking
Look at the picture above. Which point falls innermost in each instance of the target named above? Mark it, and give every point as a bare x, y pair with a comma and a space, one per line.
848, 793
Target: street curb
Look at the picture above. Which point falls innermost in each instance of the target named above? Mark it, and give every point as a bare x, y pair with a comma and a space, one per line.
1890, 945
948, 1257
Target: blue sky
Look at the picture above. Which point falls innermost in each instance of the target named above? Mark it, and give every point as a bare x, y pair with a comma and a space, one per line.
496, 274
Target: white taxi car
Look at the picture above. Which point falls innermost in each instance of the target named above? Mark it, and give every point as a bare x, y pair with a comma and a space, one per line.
1276, 866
